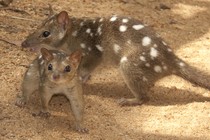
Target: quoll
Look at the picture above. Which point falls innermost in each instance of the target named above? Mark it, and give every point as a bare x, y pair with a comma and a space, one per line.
51, 73
143, 57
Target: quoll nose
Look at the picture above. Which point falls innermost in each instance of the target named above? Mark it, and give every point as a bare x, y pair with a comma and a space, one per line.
56, 77
25, 44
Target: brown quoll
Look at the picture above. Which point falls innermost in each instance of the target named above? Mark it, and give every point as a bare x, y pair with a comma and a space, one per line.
51, 73
143, 57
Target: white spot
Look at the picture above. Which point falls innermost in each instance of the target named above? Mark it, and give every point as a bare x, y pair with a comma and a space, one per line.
61, 35
28, 73
147, 65
83, 45
94, 21
165, 67
155, 45
81, 24
116, 48
129, 41
54, 54
42, 62
99, 30
144, 79
135, 64
113, 18
101, 25
83, 54
99, 48
157, 69
40, 57
91, 34
125, 20
74, 33
146, 41
123, 28
181, 64
142, 58
101, 20
158, 35
164, 43
153, 52
123, 59
88, 30
169, 50
31, 65
80, 78
138, 27
89, 48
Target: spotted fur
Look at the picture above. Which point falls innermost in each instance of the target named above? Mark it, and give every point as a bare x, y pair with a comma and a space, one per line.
51, 73
143, 57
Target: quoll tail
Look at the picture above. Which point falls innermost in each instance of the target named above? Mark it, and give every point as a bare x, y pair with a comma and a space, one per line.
193, 75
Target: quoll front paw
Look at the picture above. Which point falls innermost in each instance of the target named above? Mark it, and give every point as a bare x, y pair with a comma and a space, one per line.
20, 102
82, 130
44, 114
130, 102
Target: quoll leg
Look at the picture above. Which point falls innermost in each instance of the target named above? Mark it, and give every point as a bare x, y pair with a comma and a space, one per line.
29, 85
137, 82
77, 105
45, 98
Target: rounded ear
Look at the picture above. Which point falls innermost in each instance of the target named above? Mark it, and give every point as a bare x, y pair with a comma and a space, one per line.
46, 54
63, 19
75, 57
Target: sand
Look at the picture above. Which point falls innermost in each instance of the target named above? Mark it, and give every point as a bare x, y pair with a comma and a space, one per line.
176, 109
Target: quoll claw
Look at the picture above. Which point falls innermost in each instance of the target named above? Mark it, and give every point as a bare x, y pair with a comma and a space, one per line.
44, 114
130, 102
20, 102
82, 130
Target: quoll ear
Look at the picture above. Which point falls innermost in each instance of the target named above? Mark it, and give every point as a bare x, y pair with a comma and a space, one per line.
75, 57
63, 19
46, 54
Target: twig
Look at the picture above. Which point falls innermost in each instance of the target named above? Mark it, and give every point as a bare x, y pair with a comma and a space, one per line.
20, 18
11, 42
25, 66
15, 10
11, 29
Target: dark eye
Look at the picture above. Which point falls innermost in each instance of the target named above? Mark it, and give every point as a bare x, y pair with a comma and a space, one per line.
46, 33
50, 67
67, 69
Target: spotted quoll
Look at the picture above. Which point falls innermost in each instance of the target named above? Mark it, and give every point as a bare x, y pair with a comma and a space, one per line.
143, 57
51, 73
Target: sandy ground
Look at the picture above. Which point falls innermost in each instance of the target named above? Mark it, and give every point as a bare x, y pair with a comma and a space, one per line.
176, 110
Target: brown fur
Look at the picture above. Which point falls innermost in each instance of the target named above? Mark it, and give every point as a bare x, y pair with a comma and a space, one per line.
51, 73
142, 55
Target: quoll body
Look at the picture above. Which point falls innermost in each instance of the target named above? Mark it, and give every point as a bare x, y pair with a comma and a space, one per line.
143, 57
51, 73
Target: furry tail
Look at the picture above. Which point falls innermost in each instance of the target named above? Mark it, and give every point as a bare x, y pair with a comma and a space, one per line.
193, 75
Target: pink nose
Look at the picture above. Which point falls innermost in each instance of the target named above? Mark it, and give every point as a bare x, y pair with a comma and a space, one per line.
56, 77
25, 44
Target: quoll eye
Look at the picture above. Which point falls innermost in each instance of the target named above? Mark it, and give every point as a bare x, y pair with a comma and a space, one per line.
46, 33
50, 67
67, 69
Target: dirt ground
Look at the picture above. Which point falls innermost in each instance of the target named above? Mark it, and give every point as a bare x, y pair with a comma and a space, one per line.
176, 110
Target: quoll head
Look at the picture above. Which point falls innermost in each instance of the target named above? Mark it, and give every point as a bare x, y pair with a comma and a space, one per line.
59, 67
51, 32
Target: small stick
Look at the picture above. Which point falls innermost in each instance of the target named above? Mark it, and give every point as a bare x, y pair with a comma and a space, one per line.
25, 66
16, 43
20, 18
15, 10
